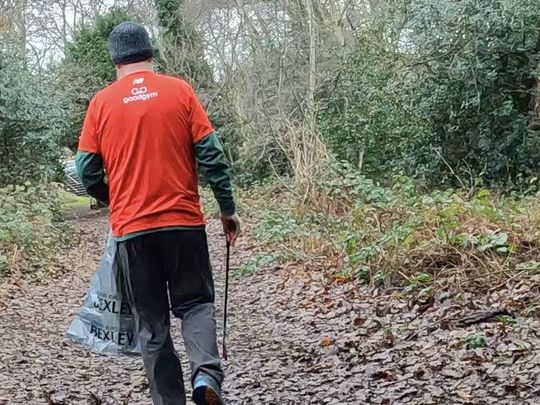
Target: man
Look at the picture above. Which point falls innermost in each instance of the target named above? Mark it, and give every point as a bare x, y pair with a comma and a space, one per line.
148, 133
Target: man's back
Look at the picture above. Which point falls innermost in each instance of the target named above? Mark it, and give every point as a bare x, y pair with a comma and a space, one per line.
145, 127
147, 133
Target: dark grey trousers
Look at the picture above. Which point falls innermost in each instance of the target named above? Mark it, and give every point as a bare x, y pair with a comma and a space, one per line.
163, 271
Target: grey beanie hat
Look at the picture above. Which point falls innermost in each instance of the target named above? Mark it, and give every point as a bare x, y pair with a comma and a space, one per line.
129, 42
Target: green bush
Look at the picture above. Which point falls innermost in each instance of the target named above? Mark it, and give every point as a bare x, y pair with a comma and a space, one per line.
479, 68
86, 69
442, 91
398, 234
29, 122
371, 119
32, 232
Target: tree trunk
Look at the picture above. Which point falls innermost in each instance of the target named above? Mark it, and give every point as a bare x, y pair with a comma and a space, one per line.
310, 114
535, 121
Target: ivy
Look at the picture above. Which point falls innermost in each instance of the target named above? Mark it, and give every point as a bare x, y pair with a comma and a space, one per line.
442, 91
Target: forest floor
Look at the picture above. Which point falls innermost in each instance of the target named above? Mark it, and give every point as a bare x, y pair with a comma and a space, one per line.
297, 336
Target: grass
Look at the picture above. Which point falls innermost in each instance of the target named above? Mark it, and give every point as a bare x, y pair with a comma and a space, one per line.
396, 234
71, 201
32, 231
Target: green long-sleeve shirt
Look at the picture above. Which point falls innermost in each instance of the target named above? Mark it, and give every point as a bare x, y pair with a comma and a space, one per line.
211, 163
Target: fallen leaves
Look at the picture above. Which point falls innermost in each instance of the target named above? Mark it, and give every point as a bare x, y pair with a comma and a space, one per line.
389, 338
296, 336
327, 341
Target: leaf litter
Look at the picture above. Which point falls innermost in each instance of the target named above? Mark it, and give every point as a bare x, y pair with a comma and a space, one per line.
296, 337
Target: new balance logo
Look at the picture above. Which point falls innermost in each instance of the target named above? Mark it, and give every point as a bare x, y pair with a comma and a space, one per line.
139, 80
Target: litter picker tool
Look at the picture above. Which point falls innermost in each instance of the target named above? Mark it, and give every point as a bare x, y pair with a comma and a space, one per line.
227, 270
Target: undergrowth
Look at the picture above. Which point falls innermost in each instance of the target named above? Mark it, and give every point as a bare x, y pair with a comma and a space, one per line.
397, 234
32, 232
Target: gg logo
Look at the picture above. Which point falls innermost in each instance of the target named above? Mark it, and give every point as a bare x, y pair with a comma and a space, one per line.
138, 90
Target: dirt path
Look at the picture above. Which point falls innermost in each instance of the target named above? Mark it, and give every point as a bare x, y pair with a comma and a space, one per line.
295, 338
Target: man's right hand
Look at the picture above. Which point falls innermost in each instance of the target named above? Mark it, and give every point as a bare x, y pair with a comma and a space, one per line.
232, 226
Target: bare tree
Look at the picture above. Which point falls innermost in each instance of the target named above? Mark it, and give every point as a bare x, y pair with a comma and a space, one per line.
13, 24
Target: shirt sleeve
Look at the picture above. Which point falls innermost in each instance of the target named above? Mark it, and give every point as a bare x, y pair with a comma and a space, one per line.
90, 171
212, 164
89, 141
200, 125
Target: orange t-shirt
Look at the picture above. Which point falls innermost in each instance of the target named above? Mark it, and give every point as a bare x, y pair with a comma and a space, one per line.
145, 126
